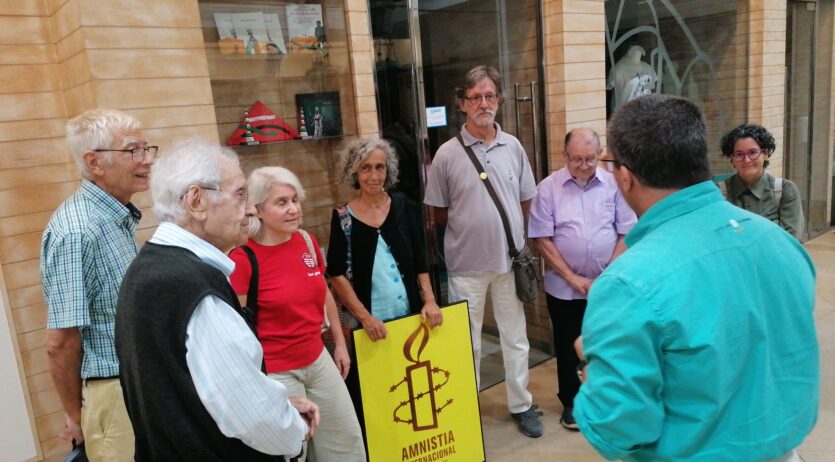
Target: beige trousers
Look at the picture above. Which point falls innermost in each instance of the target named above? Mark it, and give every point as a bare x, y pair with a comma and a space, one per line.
108, 433
338, 438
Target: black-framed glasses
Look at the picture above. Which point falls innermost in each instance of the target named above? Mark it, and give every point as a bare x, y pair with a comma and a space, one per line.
753, 154
475, 100
241, 194
612, 164
137, 154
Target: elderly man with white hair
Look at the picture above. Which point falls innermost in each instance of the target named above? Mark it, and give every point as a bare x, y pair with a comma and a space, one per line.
86, 248
191, 367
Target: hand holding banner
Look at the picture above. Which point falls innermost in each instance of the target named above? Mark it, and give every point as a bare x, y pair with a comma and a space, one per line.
419, 391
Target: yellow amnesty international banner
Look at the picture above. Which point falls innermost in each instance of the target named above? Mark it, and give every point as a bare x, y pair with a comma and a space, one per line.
419, 391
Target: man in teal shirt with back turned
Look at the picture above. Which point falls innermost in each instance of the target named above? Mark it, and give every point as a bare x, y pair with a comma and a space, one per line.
700, 338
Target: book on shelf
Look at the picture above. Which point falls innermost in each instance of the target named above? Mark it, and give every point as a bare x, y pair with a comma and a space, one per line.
305, 28
250, 33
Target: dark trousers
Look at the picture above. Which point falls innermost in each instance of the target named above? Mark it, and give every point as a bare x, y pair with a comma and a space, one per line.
352, 382
567, 321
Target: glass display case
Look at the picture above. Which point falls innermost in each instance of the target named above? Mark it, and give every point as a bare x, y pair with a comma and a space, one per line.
282, 89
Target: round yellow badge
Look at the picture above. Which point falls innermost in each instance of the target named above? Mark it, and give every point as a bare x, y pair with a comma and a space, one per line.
483, 175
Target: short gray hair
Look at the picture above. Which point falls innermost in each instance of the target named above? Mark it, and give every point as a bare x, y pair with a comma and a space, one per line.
353, 155
476, 75
189, 162
94, 129
259, 184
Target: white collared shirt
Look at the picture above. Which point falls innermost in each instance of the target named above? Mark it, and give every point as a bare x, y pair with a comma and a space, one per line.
224, 360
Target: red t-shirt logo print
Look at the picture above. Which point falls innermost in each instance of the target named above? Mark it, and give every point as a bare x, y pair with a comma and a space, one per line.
308, 260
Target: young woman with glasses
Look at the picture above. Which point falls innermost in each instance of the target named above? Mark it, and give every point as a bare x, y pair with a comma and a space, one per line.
749, 147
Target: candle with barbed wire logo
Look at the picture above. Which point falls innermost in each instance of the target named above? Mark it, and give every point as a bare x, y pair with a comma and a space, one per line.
422, 385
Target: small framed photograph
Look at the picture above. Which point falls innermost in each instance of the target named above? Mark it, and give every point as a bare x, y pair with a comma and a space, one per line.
319, 115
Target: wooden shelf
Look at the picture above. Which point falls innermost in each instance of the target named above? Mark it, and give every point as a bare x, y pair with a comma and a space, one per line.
298, 140
238, 80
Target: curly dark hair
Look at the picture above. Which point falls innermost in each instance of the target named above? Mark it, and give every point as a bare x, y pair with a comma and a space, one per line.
758, 133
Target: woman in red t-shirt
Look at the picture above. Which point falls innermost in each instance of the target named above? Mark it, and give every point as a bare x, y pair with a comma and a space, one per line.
291, 295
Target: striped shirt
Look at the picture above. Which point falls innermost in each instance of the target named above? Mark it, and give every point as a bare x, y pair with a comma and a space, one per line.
224, 360
85, 251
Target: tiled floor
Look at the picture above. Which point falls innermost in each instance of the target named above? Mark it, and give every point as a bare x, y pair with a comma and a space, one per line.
503, 441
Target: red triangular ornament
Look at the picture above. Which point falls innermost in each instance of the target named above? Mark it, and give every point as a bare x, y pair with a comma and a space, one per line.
265, 127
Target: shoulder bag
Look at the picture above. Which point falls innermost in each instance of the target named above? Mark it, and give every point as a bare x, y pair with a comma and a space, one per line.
326, 323
523, 262
250, 311
347, 320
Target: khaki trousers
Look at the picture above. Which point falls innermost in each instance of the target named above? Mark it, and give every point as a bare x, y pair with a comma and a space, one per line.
338, 438
510, 319
108, 433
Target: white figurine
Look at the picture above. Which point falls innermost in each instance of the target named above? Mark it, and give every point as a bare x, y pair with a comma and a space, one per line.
630, 77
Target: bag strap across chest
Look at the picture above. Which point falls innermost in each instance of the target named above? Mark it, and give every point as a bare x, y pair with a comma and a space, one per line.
252, 293
485, 179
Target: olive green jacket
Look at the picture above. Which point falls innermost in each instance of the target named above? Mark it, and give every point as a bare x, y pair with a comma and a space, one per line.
763, 198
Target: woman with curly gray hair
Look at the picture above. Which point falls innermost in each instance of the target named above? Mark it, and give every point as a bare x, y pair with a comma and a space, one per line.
749, 147
376, 259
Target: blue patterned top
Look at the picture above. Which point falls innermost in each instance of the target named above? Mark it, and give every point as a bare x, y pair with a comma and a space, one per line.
388, 293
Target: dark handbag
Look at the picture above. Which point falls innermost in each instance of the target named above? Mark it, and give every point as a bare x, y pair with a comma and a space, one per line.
524, 264
525, 274
250, 311
78, 453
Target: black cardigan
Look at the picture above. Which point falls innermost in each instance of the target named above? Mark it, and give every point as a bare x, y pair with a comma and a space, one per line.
403, 232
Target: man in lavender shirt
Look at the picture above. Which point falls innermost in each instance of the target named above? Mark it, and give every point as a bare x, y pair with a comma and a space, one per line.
578, 219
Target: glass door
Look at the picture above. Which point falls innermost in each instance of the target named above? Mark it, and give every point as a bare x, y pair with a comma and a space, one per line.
809, 75
423, 49
456, 36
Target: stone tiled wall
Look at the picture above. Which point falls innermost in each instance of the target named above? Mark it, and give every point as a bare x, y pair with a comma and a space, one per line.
362, 66
767, 71
32, 167
575, 70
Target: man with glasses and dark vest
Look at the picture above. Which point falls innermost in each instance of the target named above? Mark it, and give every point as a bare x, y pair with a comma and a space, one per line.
86, 248
475, 244
191, 366
578, 219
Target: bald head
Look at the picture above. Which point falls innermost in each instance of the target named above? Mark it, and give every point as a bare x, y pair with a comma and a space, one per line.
581, 137
582, 148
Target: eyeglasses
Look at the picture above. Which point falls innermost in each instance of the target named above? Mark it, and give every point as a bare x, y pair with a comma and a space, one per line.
753, 154
612, 164
242, 194
580, 161
475, 100
137, 154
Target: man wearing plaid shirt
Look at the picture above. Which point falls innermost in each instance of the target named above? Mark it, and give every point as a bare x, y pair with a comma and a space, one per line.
86, 248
